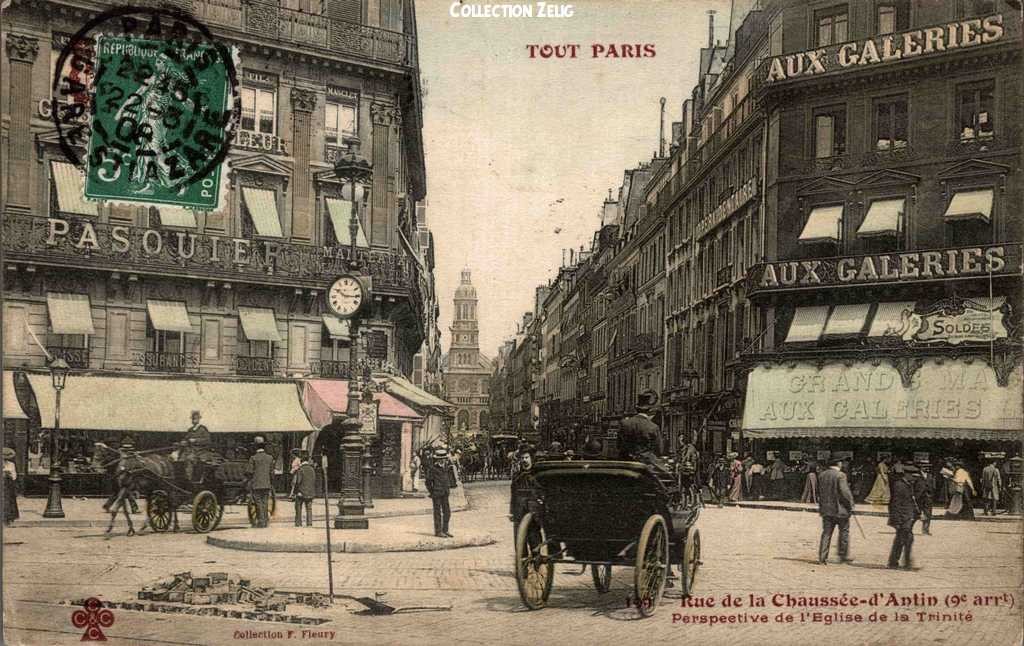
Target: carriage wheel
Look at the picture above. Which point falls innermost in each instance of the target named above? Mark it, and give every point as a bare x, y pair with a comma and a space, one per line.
534, 572
651, 571
690, 561
206, 511
159, 510
602, 575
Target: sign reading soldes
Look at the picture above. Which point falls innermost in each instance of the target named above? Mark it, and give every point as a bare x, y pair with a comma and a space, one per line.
889, 48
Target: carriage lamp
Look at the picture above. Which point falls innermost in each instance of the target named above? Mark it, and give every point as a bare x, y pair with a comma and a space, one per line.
59, 370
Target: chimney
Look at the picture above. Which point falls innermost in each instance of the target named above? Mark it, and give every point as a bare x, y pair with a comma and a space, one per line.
661, 130
711, 27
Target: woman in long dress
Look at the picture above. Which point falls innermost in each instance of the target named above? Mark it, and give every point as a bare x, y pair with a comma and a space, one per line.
810, 493
879, 494
736, 470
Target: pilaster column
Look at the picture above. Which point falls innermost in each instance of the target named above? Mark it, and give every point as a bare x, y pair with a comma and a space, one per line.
22, 52
303, 210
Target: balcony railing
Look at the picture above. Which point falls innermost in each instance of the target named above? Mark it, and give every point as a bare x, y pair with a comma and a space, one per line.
265, 20
723, 276
75, 357
331, 368
257, 366
167, 361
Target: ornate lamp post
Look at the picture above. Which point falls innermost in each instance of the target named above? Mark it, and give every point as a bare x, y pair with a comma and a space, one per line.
59, 373
354, 170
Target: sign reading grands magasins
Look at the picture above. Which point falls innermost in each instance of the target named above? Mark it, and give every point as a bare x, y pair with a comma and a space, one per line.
909, 266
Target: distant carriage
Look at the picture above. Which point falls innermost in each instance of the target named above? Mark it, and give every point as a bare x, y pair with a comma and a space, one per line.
163, 483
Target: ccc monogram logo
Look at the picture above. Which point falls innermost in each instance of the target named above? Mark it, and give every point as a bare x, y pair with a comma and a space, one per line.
93, 617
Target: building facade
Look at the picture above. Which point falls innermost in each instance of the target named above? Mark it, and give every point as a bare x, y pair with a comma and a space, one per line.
467, 372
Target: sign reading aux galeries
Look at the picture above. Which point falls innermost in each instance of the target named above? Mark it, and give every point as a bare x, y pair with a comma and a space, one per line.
902, 267
890, 48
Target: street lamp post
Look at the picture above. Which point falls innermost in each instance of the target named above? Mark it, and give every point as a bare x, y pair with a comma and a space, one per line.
690, 379
59, 374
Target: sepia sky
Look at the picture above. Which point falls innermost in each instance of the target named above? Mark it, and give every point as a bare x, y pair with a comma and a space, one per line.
518, 148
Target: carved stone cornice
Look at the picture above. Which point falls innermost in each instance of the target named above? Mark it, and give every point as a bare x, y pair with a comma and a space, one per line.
385, 115
21, 48
303, 100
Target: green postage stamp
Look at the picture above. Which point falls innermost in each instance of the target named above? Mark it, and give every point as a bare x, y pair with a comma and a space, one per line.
162, 115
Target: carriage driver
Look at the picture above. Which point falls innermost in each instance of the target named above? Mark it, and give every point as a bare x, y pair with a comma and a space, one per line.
195, 444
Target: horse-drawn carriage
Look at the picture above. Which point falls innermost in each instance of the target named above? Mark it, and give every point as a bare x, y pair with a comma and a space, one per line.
167, 487
604, 513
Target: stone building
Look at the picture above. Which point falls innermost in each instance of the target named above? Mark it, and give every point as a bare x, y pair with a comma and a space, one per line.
467, 372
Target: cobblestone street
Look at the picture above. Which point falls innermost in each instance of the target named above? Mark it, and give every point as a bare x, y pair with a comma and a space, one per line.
746, 552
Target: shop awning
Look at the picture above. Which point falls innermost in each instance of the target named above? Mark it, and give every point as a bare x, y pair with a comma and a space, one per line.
262, 206
410, 392
325, 398
169, 316
259, 324
952, 399
891, 319
990, 303
337, 328
883, 218
175, 216
823, 224
161, 404
340, 212
971, 204
847, 319
808, 324
70, 186
69, 313
12, 408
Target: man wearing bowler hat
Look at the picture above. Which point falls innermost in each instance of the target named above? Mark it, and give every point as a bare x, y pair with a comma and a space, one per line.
440, 479
903, 511
835, 504
260, 471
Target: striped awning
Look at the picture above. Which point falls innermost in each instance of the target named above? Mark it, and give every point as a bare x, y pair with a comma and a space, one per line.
883, 218
808, 324
259, 324
337, 328
69, 313
847, 319
340, 212
175, 216
169, 316
971, 204
990, 303
70, 185
891, 318
823, 224
262, 206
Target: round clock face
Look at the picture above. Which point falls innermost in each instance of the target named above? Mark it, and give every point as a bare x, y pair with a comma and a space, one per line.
345, 296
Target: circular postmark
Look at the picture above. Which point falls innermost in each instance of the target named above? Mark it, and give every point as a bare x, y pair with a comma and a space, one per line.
154, 99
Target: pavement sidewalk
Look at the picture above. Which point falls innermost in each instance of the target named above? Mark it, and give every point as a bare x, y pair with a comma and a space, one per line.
861, 509
88, 512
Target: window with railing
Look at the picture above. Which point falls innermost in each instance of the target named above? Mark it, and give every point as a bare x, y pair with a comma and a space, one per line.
890, 123
72, 348
259, 110
974, 110
340, 121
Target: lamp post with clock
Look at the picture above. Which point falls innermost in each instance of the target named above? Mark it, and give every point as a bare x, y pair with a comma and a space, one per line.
345, 297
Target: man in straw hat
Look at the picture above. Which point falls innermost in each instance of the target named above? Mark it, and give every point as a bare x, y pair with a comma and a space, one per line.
835, 504
440, 479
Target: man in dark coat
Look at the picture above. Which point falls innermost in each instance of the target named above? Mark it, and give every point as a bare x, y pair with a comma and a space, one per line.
304, 488
925, 492
903, 512
260, 471
195, 445
440, 479
835, 504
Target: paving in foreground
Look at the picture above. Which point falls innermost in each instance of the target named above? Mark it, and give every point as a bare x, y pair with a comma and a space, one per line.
748, 553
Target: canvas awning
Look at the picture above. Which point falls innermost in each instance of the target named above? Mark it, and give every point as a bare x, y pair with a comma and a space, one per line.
337, 328
325, 398
847, 319
169, 316
70, 186
952, 399
340, 212
971, 204
891, 319
69, 313
808, 324
259, 324
262, 206
410, 392
12, 408
823, 224
883, 218
175, 216
161, 404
